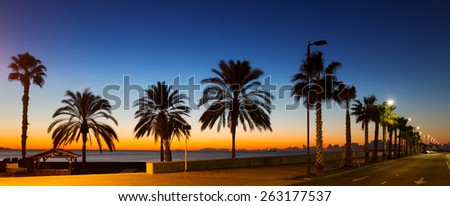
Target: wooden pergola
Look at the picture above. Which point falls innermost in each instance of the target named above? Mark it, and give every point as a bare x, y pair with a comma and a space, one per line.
53, 153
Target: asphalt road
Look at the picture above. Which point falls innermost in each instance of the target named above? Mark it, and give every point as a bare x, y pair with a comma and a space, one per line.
424, 170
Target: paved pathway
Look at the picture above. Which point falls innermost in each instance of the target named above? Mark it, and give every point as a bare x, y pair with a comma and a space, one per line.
264, 176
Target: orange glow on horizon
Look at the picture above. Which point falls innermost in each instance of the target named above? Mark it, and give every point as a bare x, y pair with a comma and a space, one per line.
199, 140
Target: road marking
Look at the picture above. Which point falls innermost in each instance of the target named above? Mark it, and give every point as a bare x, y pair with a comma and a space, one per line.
384, 182
420, 181
446, 160
360, 179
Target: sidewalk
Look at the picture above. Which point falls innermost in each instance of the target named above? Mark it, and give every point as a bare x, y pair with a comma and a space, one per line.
258, 176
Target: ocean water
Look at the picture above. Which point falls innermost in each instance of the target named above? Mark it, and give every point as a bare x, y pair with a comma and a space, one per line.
152, 156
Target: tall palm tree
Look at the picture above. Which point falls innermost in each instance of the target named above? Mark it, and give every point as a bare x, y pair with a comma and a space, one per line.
392, 128
402, 125
376, 115
160, 113
316, 82
387, 118
234, 97
28, 70
81, 113
408, 135
345, 96
363, 112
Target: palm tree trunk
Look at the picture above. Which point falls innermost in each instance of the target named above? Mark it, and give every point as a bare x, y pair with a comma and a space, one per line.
25, 102
348, 140
319, 140
375, 145
395, 143
234, 120
233, 137
233, 144
384, 141
83, 161
366, 141
167, 152
161, 151
390, 144
406, 146
399, 144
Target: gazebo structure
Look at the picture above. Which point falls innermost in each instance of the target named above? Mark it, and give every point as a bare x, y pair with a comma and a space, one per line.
39, 168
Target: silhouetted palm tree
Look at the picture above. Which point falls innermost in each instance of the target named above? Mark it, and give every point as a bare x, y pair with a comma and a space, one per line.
408, 135
392, 128
160, 114
376, 115
364, 112
388, 117
316, 83
402, 124
345, 95
235, 96
81, 113
414, 138
28, 70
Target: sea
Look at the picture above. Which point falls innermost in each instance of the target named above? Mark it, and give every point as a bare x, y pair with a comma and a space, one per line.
152, 156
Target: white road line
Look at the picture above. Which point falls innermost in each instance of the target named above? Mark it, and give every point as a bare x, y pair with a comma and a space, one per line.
421, 181
360, 179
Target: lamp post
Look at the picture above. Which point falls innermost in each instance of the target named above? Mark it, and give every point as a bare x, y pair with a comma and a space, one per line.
316, 43
185, 127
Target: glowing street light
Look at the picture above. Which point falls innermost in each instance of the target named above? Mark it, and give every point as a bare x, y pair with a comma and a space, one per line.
390, 102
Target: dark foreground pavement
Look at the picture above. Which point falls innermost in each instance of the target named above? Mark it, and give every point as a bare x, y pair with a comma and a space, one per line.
265, 176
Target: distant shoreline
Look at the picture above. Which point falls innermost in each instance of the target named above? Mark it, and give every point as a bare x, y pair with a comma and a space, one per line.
199, 150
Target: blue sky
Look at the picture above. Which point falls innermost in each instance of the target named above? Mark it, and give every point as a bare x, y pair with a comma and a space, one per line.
392, 49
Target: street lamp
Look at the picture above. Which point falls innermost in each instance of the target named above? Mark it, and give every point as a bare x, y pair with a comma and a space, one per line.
390, 102
186, 128
316, 43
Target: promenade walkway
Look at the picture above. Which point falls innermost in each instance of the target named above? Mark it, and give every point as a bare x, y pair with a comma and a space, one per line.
258, 176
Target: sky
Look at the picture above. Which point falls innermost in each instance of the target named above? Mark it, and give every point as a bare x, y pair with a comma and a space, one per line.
392, 49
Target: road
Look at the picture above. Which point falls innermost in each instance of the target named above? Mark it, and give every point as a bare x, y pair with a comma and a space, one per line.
424, 170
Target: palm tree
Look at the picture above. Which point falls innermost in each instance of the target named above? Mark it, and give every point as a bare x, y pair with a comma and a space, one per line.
392, 127
376, 115
402, 125
81, 113
407, 135
235, 96
26, 69
160, 114
396, 137
363, 112
316, 82
387, 118
345, 96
